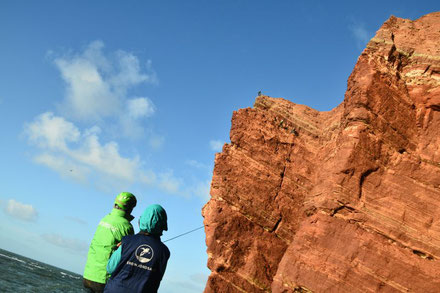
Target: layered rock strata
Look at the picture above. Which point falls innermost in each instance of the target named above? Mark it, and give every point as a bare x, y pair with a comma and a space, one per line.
339, 201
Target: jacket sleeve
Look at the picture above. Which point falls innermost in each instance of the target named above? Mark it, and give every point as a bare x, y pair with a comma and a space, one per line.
163, 266
114, 260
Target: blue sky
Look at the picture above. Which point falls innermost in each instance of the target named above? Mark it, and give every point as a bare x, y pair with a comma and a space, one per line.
99, 97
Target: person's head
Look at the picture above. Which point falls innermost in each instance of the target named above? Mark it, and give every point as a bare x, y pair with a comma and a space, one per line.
153, 220
125, 201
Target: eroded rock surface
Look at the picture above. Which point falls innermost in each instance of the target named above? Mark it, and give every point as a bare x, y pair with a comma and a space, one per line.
339, 201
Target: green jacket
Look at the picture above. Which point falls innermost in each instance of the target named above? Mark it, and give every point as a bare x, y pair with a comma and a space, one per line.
109, 233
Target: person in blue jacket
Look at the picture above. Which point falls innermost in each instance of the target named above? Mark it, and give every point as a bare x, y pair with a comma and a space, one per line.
139, 263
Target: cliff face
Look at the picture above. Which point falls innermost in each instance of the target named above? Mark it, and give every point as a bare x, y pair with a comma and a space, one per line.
339, 201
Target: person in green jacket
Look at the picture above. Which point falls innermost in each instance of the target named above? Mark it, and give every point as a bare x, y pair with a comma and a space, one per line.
107, 237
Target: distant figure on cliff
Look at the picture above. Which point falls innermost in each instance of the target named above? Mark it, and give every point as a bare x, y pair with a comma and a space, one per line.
108, 235
139, 264
259, 93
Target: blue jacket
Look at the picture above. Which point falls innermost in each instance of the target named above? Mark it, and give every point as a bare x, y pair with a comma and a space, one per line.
139, 264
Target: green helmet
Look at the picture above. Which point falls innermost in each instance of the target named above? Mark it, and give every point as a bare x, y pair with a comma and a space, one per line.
126, 200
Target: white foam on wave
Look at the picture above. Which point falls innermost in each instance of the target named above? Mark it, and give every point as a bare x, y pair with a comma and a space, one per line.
36, 266
68, 275
13, 258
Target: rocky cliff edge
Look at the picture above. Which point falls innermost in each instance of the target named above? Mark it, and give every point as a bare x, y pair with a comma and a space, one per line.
339, 201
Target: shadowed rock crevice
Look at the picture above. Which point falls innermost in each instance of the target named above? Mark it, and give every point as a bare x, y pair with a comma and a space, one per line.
364, 175
340, 201
274, 229
342, 208
423, 254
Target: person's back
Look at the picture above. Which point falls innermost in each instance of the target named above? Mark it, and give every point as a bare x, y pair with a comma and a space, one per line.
108, 234
140, 262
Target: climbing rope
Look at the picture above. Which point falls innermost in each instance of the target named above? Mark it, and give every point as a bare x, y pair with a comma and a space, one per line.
184, 233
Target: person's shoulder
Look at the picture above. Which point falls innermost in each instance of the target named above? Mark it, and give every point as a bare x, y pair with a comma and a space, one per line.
107, 216
124, 221
128, 238
120, 219
125, 227
165, 249
106, 220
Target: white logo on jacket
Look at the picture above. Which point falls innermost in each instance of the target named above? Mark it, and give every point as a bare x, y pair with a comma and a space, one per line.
144, 253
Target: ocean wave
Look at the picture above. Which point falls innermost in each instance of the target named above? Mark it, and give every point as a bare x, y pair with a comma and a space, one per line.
37, 266
73, 277
14, 258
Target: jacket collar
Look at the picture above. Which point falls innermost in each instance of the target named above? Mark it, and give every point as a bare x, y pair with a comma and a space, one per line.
145, 233
121, 213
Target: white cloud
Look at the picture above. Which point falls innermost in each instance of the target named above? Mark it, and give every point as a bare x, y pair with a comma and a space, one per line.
196, 164
69, 244
195, 283
49, 131
129, 71
76, 154
79, 155
199, 278
76, 220
148, 177
21, 211
89, 96
140, 107
156, 141
130, 128
169, 183
130, 124
98, 98
360, 33
202, 189
65, 167
216, 145
106, 158
97, 84
185, 286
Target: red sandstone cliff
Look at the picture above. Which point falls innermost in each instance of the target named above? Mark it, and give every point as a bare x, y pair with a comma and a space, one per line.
339, 201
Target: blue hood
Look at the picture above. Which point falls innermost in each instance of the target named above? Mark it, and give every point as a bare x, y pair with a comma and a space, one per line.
154, 220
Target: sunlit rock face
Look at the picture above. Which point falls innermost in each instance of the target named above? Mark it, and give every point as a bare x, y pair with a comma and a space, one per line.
339, 201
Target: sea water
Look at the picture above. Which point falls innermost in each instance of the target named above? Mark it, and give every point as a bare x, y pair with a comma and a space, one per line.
22, 274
